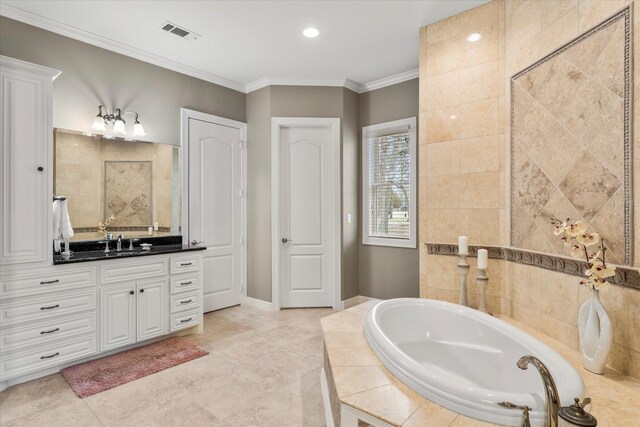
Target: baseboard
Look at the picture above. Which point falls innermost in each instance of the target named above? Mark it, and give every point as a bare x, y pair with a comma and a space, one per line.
326, 400
258, 303
358, 299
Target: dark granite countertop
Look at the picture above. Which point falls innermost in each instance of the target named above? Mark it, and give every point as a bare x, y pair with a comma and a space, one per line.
92, 251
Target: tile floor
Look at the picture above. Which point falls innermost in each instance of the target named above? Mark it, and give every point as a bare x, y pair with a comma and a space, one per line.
263, 370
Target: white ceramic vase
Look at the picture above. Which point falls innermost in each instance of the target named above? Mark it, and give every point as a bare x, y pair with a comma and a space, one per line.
595, 333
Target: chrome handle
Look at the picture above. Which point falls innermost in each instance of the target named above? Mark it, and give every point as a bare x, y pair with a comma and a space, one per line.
285, 240
50, 356
184, 264
194, 242
50, 332
49, 282
186, 302
186, 283
186, 320
50, 307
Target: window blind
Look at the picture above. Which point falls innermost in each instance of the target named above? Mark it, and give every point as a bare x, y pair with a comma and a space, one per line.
389, 186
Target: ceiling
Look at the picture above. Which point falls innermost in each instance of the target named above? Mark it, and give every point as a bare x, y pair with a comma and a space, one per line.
250, 44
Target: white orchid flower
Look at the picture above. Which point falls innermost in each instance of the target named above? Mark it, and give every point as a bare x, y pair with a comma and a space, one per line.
579, 227
600, 283
560, 228
588, 239
576, 251
566, 240
600, 271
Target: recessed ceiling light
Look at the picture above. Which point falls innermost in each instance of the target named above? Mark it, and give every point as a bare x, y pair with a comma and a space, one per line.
474, 37
311, 32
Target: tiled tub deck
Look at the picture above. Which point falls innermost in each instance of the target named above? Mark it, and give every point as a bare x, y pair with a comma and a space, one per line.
363, 392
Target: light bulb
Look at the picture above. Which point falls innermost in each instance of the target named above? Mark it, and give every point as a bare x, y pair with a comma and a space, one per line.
138, 130
311, 32
474, 37
98, 124
118, 127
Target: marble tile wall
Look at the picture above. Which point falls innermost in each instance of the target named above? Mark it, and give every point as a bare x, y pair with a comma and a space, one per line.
464, 162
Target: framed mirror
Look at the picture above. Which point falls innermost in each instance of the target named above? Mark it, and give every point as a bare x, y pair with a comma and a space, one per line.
126, 185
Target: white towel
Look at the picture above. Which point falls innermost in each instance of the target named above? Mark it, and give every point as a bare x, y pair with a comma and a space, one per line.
61, 223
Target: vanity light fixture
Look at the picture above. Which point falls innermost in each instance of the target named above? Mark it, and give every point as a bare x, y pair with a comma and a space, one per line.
115, 119
474, 37
311, 32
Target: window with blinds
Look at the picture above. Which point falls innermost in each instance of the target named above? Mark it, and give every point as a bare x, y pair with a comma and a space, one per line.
389, 184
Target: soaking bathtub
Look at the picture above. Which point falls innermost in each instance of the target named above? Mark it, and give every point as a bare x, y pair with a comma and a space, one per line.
465, 360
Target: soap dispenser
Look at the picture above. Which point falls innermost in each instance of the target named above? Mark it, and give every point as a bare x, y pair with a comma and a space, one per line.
575, 415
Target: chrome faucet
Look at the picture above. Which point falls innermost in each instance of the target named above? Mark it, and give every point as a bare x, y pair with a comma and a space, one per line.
552, 399
119, 246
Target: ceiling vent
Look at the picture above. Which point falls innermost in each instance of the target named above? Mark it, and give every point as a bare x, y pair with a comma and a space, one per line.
172, 28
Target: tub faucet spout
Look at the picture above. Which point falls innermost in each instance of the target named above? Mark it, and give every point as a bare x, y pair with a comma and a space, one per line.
552, 399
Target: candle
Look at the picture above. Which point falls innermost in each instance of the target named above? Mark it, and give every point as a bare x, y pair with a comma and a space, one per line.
150, 231
463, 245
483, 259
155, 226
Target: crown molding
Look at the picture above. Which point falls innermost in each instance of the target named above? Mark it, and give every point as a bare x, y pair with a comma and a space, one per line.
391, 80
29, 18
293, 81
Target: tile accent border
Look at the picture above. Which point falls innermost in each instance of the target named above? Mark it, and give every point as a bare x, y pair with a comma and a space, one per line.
626, 15
625, 276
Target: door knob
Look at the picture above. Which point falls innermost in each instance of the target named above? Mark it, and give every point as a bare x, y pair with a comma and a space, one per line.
285, 240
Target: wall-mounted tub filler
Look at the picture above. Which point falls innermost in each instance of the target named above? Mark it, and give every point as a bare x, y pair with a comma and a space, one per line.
466, 360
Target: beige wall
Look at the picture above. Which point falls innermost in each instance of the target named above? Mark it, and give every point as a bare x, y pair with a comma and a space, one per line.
296, 101
387, 272
464, 116
91, 76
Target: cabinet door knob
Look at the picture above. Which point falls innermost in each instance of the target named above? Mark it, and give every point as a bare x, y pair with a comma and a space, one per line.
40, 168
130, 292
141, 290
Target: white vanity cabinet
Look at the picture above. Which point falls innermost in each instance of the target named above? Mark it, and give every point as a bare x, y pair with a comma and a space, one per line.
135, 310
26, 164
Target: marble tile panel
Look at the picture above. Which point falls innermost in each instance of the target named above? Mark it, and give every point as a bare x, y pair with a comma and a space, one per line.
551, 11
443, 91
550, 146
442, 30
473, 20
444, 56
353, 356
532, 187
563, 332
443, 158
560, 87
585, 54
608, 70
75, 413
443, 124
592, 12
432, 415
344, 339
559, 296
445, 191
483, 226
393, 403
589, 192
608, 145
479, 82
483, 50
445, 225
560, 32
480, 190
525, 21
350, 380
480, 154
178, 413
480, 118
608, 223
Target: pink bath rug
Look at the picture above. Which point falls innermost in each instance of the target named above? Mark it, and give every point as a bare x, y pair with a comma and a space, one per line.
108, 372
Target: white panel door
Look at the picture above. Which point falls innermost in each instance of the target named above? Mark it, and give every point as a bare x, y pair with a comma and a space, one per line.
152, 308
306, 207
215, 208
118, 315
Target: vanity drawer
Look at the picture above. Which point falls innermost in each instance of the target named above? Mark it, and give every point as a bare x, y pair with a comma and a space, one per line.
185, 284
185, 320
185, 302
46, 356
48, 331
34, 309
119, 271
32, 283
185, 264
